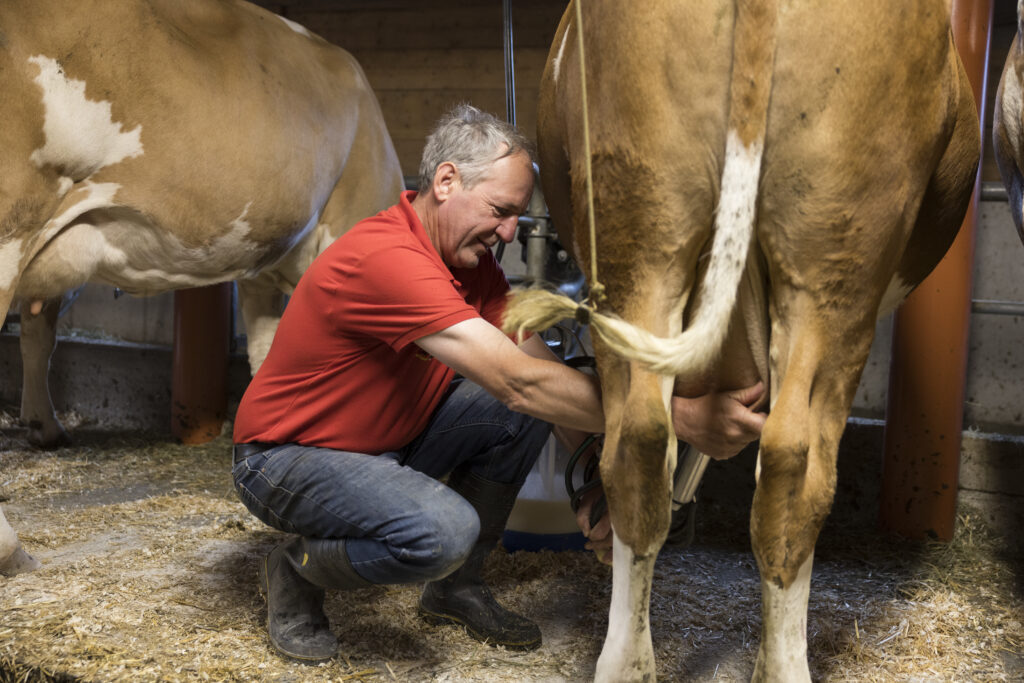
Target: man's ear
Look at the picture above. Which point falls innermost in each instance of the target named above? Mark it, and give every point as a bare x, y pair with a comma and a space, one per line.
445, 178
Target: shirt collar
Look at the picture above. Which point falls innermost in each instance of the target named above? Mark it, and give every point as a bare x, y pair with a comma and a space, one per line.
405, 204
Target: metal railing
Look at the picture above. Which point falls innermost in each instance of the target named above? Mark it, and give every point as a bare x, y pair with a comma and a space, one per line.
992, 191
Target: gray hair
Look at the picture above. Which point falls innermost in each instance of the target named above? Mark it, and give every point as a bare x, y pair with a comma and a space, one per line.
472, 140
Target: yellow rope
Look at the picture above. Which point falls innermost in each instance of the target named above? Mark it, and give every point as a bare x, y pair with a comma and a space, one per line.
596, 288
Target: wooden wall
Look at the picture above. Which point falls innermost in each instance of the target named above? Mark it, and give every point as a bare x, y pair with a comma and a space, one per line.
424, 57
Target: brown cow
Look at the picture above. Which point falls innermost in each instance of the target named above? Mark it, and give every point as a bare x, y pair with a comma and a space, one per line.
1008, 126
162, 144
821, 157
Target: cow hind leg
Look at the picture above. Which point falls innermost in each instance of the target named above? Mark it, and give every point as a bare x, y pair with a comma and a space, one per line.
13, 558
261, 302
38, 340
639, 456
813, 388
628, 654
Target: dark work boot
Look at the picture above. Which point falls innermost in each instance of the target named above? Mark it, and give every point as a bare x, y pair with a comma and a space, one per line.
292, 579
462, 597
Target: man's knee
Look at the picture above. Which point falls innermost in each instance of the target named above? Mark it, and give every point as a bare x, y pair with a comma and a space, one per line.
517, 460
449, 533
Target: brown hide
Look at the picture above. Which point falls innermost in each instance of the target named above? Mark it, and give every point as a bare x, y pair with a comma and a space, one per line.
870, 147
1008, 129
165, 144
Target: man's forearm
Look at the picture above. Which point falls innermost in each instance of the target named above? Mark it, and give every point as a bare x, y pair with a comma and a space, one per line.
562, 396
570, 392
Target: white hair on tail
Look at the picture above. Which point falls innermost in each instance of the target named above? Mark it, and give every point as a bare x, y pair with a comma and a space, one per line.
699, 345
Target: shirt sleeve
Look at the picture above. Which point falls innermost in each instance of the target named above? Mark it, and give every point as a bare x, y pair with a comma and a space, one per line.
398, 295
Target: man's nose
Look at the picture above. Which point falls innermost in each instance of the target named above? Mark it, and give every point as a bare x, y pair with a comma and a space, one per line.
507, 229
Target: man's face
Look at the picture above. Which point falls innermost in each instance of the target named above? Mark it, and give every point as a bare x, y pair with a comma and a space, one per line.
473, 220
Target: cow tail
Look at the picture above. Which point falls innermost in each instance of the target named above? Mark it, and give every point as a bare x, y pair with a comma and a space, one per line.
749, 94
697, 347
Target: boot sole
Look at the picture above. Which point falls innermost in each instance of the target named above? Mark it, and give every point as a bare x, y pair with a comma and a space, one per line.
435, 619
264, 588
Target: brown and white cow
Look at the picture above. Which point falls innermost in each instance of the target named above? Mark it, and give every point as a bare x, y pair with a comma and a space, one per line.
769, 176
1008, 125
163, 144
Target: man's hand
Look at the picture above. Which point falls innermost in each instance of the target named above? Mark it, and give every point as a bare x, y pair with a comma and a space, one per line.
599, 539
719, 424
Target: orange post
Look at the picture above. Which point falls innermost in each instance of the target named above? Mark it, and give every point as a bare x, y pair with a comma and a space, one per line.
924, 417
202, 338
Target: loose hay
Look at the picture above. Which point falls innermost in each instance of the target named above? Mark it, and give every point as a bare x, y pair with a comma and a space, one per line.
150, 575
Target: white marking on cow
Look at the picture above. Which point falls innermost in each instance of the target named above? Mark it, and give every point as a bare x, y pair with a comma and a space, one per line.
13, 558
699, 345
64, 185
784, 634
298, 28
8, 540
556, 63
97, 196
737, 206
81, 135
10, 262
734, 225
627, 653
895, 293
125, 249
240, 225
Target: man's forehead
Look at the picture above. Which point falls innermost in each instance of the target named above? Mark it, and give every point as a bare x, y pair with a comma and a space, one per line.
509, 196
508, 171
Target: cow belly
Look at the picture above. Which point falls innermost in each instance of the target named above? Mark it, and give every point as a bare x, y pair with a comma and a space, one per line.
121, 248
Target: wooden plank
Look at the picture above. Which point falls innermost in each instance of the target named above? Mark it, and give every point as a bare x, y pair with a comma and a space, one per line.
420, 28
409, 114
409, 151
448, 69
371, 5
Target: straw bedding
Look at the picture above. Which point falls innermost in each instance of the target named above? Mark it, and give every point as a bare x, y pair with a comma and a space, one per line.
150, 575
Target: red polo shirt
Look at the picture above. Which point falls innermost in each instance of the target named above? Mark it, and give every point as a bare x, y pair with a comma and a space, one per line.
343, 371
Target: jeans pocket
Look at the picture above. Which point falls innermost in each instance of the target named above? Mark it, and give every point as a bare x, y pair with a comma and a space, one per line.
283, 462
261, 510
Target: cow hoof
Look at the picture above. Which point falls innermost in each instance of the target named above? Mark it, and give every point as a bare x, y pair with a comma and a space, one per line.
48, 437
19, 562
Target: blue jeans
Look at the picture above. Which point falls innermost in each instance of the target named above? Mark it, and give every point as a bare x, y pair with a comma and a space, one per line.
400, 523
